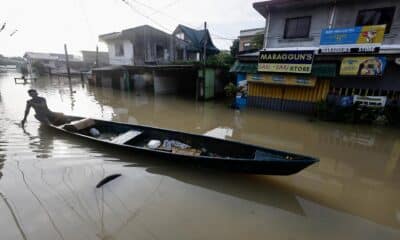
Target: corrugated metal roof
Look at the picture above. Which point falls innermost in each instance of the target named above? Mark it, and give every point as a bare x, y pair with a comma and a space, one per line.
251, 32
242, 67
52, 56
196, 39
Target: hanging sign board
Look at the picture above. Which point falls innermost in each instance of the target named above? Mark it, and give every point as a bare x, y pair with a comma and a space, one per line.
361, 39
285, 61
293, 80
363, 66
349, 49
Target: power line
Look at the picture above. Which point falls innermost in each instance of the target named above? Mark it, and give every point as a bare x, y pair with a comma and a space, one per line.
145, 16
171, 4
177, 20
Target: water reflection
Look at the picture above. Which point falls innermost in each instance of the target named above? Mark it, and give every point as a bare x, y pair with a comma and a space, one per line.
49, 179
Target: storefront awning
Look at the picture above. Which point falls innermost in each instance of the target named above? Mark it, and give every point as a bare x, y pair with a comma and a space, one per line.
318, 69
324, 70
244, 67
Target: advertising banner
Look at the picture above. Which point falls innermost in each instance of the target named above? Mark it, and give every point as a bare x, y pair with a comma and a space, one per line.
365, 39
363, 66
357, 35
286, 61
294, 80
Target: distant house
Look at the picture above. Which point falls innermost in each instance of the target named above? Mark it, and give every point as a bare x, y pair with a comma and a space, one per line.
192, 42
146, 45
89, 58
246, 38
139, 46
53, 62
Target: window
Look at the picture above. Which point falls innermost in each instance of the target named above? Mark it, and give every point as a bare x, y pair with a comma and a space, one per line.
119, 49
159, 51
179, 54
180, 36
376, 16
246, 45
298, 27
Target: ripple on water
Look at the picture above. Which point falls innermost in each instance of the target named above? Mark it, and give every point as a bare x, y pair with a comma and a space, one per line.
49, 179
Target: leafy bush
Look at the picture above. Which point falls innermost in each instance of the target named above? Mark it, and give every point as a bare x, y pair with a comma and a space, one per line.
222, 59
231, 90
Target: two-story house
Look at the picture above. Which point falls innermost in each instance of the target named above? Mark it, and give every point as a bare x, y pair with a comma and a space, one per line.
312, 48
139, 46
247, 38
192, 43
144, 45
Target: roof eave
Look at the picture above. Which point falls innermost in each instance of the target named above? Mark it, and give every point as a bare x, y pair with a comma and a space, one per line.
261, 8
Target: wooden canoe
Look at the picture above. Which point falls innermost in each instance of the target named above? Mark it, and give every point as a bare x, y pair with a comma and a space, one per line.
203, 151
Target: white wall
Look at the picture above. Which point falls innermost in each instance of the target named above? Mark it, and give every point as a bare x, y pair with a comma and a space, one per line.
127, 59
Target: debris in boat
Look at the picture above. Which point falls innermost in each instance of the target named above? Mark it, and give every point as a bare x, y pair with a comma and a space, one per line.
169, 144
108, 179
94, 132
154, 144
186, 151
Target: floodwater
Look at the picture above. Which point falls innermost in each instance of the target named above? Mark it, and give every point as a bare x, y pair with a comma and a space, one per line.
47, 184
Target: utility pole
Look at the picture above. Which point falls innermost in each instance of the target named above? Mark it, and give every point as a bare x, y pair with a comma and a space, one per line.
203, 83
205, 44
67, 62
97, 56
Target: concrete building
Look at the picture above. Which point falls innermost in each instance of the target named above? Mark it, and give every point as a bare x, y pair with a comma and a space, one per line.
53, 62
298, 23
90, 58
314, 48
246, 39
147, 59
139, 46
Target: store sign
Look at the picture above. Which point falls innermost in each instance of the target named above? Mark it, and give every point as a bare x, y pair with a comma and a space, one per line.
349, 49
365, 39
363, 66
294, 80
285, 61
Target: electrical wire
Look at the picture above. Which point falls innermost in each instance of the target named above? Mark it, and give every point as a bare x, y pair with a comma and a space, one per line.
145, 16
217, 36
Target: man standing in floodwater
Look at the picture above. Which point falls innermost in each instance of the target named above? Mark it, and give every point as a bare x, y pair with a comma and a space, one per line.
43, 113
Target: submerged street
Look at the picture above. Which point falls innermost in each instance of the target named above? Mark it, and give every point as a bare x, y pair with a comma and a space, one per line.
47, 184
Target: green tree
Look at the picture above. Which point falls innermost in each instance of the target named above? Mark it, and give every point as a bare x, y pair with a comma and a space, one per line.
222, 59
235, 48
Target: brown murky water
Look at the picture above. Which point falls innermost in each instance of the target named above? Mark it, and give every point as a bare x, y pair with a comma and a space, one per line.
47, 185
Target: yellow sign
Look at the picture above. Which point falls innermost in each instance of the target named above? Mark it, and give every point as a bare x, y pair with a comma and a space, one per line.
285, 61
292, 80
371, 34
284, 68
363, 66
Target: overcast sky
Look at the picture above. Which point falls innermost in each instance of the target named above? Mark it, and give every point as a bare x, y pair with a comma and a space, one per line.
45, 25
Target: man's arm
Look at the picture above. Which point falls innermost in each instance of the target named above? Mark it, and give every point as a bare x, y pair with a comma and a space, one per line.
27, 109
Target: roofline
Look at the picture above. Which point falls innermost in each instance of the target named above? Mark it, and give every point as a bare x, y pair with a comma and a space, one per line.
101, 52
252, 29
276, 5
120, 35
